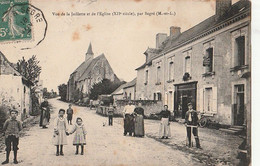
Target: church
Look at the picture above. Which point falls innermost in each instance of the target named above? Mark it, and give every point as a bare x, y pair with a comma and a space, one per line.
90, 72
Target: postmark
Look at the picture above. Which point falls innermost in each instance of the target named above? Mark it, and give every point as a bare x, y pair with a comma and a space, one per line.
21, 22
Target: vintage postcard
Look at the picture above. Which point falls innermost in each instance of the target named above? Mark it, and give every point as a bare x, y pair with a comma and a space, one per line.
134, 82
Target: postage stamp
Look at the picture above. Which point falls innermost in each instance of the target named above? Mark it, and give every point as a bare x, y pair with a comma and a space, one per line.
21, 22
15, 21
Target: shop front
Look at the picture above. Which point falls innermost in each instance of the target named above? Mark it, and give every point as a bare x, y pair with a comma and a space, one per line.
184, 94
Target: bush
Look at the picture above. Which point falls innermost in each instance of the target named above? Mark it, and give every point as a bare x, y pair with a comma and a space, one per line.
4, 114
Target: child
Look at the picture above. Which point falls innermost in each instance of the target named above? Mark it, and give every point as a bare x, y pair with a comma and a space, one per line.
80, 136
110, 114
60, 132
11, 130
69, 114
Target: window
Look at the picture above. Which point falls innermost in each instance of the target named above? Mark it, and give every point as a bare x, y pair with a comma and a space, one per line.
130, 95
239, 51
240, 56
146, 77
208, 60
158, 80
171, 72
159, 95
154, 96
208, 96
187, 64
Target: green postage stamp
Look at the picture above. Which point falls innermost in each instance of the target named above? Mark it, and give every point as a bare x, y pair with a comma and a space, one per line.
15, 21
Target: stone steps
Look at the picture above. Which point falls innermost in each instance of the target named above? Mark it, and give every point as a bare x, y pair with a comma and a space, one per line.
233, 129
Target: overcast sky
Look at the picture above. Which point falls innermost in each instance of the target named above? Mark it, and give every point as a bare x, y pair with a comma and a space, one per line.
123, 39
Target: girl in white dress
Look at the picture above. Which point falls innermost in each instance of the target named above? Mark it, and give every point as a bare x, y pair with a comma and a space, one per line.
60, 132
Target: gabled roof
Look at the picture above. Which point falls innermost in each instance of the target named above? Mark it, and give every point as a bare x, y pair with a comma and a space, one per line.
90, 66
12, 65
119, 90
130, 84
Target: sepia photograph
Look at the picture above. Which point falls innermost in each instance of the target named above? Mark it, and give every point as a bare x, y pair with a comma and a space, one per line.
134, 82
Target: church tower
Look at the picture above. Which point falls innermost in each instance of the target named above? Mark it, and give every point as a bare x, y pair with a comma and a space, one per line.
89, 54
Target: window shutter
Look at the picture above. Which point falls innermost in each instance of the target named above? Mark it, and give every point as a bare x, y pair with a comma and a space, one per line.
201, 100
215, 101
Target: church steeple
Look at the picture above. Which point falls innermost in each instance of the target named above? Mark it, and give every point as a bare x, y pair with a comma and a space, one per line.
89, 54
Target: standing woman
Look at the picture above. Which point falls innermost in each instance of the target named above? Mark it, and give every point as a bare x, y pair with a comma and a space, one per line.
45, 113
139, 121
165, 131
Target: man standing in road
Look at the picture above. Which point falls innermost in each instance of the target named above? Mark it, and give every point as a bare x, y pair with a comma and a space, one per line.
69, 114
128, 118
191, 120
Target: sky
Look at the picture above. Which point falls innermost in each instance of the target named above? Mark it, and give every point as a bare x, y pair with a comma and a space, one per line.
123, 39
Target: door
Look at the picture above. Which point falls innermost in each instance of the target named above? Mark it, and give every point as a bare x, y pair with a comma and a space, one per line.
184, 105
239, 105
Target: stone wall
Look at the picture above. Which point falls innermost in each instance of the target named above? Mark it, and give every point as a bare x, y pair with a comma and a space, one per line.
149, 106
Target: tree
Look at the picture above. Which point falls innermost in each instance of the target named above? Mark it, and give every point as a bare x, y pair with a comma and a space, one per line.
104, 87
30, 69
63, 91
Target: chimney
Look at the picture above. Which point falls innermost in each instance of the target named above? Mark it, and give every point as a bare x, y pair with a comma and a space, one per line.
89, 54
160, 37
175, 31
222, 6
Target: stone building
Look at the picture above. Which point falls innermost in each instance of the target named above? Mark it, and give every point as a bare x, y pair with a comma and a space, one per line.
91, 71
208, 65
15, 90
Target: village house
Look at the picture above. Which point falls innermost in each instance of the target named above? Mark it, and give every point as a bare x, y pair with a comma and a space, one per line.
15, 90
125, 91
90, 72
208, 65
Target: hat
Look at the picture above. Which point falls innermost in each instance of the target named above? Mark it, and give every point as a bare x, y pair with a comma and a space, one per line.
189, 104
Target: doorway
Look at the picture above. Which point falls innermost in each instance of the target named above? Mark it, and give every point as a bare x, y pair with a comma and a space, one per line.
184, 94
239, 105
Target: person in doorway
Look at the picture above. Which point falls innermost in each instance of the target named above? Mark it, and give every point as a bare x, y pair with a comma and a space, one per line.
128, 118
191, 121
11, 130
80, 135
165, 131
110, 114
139, 121
69, 114
60, 132
45, 113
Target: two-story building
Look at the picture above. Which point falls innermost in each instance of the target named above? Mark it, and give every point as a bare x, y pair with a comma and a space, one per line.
208, 65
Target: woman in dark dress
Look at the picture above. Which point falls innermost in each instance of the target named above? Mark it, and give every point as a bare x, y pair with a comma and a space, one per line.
139, 121
45, 113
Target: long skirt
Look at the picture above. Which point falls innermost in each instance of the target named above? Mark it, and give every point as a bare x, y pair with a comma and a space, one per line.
165, 130
128, 124
45, 118
139, 125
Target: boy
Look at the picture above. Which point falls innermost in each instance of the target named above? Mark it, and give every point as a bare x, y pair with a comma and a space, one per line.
110, 114
191, 120
69, 114
11, 130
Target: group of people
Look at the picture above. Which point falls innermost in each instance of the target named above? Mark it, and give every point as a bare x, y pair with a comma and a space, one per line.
133, 120
61, 131
133, 124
